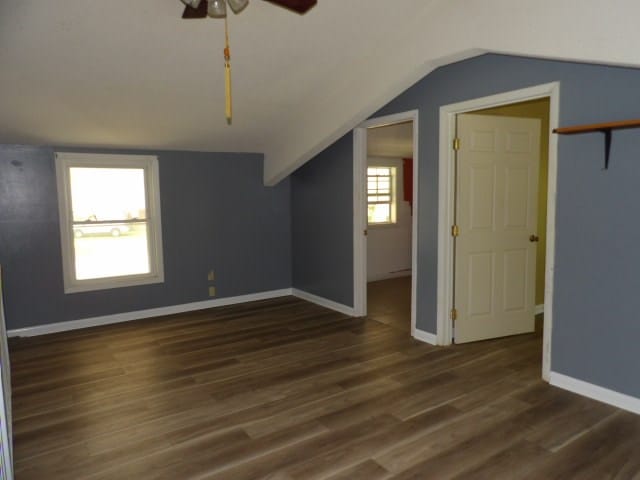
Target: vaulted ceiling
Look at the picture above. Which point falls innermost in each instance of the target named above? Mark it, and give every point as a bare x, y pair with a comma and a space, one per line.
133, 74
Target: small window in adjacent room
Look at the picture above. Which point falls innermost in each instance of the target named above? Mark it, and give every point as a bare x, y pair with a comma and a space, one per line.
381, 191
109, 220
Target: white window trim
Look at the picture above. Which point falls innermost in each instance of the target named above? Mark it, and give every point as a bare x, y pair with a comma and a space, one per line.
393, 204
64, 161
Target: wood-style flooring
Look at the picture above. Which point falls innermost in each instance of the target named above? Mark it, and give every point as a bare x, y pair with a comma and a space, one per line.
283, 389
389, 302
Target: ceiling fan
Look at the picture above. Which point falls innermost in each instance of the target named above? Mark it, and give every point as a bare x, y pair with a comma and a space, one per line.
218, 9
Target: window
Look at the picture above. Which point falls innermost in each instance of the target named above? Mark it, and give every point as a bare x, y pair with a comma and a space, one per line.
381, 192
109, 220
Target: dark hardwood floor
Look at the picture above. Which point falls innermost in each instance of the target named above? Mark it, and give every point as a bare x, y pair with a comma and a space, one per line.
283, 389
389, 302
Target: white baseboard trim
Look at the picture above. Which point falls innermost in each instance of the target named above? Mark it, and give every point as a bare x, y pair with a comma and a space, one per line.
617, 399
323, 302
538, 309
140, 314
425, 337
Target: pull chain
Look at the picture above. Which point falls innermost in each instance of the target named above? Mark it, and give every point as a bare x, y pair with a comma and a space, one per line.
227, 73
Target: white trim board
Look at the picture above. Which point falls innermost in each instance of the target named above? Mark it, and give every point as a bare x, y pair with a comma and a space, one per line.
448, 115
423, 336
586, 389
360, 209
140, 314
324, 302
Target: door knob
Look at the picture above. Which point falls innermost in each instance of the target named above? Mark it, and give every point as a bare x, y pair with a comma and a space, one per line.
533, 238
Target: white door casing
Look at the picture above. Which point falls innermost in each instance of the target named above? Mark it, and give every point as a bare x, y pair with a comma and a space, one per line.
360, 215
448, 115
497, 187
6, 430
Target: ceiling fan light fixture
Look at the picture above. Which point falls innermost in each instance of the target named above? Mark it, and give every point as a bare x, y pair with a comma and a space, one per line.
238, 5
192, 3
217, 9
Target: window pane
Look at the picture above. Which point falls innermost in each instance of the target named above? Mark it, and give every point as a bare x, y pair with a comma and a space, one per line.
99, 194
379, 213
110, 250
380, 193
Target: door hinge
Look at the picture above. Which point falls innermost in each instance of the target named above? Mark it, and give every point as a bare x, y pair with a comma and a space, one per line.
455, 230
456, 144
454, 314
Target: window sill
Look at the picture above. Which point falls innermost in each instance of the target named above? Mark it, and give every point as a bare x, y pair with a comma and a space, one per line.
79, 286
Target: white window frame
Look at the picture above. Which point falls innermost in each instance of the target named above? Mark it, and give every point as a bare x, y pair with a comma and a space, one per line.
393, 170
65, 161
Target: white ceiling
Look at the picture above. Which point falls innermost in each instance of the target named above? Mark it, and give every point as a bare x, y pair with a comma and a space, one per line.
132, 73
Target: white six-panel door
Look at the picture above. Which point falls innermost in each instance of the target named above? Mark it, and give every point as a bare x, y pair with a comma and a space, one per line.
496, 208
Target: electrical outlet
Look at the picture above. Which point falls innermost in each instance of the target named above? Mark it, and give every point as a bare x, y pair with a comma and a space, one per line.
210, 276
212, 291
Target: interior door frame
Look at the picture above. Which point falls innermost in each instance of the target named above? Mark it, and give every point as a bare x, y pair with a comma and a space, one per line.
446, 204
360, 210
6, 428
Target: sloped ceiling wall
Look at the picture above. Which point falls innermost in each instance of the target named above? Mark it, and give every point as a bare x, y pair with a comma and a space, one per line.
450, 30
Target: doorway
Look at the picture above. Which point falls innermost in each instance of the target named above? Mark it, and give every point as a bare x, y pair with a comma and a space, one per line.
389, 210
385, 218
449, 116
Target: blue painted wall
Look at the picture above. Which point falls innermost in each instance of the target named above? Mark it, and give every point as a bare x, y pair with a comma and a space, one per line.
596, 329
322, 224
216, 213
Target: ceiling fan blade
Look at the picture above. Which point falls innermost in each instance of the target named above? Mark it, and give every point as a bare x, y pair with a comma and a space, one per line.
300, 6
200, 12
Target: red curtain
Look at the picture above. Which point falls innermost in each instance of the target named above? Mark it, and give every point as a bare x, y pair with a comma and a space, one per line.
407, 180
